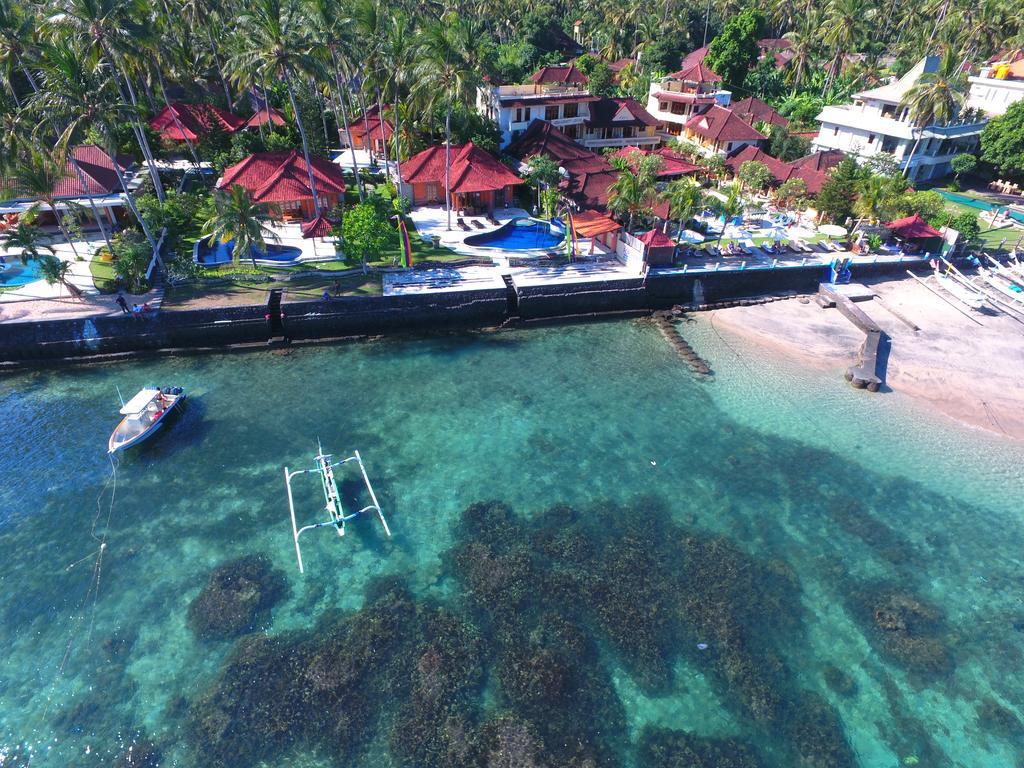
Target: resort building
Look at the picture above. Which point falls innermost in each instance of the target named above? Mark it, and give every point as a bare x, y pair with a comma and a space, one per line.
618, 123
558, 95
673, 165
180, 121
280, 180
806, 168
266, 116
720, 131
478, 182
676, 98
373, 125
98, 180
876, 122
999, 84
754, 111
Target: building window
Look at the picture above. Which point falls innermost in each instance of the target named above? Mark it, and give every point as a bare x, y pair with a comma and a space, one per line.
570, 110
871, 138
431, 190
551, 113
519, 115
835, 131
663, 106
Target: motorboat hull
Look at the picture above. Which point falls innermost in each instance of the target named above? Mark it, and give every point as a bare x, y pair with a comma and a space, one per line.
122, 438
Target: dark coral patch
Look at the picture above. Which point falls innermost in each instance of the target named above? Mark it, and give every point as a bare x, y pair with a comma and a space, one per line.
237, 598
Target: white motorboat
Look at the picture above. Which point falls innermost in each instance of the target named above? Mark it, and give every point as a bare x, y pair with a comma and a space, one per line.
143, 415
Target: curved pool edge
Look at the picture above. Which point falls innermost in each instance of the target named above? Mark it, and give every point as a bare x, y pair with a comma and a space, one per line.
473, 240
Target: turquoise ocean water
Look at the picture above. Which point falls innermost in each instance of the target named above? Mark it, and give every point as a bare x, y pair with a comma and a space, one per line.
767, 565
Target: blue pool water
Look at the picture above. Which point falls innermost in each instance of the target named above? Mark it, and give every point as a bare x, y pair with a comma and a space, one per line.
520, 234
981, 205
15, 274
221, 253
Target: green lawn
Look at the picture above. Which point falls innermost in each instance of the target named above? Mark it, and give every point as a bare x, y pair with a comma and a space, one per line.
241, 290
103, 275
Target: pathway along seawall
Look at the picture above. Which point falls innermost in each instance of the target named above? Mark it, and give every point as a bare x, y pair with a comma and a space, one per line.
361, 315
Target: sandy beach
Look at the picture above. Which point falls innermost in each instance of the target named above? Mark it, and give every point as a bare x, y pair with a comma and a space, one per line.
967, 368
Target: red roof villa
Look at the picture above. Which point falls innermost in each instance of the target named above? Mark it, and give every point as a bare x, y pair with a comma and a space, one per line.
559, 76
379, 130
753, 110
100, 181
672, 166
193, 121
721, 131
476, 179
281, 180
265, 116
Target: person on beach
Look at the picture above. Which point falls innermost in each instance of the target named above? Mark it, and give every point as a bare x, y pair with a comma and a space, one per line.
122, 303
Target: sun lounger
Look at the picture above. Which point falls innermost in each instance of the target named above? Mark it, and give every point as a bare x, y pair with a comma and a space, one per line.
750, 248
491, 220
477, 224
462, 225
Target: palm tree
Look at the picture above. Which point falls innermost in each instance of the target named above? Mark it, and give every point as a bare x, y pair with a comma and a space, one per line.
16, 27
844, 20
684, 197
54, 271
237, 218
732, 206
75, 92
327, 27
37, 175
277, 47
633, 191
398, 50
871, 192
802, 44
108, 27
934, 99
443, 68
27, 238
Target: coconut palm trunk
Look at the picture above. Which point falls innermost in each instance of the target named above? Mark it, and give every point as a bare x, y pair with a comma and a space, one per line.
285, 75
92, 201
348, 130
174, 115
130, 200
448, 161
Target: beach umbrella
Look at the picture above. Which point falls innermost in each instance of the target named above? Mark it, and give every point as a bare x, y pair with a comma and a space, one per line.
832, 230
778, 234
689, 236
732, 232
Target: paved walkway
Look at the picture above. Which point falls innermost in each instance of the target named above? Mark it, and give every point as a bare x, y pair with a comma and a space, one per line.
442, 280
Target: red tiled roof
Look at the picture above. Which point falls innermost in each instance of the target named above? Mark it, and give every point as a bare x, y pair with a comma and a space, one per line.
559, 76
318, 227
720, 124
472, 169
694, 57
265, 116
590, 189
615, 113
592, 164
274, 177
753, 110
196, 121
820, 161
620, 64
814, 180
592, 224
696, 72
774, 43
543, 138
672, 165
913, 228
656, 239
780, 170
379, 128
97, 169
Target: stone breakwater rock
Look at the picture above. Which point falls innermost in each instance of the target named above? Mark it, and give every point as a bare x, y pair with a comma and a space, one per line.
237, 598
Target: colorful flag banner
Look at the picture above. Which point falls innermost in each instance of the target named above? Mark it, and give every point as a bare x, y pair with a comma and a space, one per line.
403, 235
570, 236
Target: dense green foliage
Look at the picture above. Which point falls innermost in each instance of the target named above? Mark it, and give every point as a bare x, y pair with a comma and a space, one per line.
733, 52
367, 233
1002, 141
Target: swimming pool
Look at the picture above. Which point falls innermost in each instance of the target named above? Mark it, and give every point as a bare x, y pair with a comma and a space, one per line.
14, 274
981, 205
221, 253
522, 234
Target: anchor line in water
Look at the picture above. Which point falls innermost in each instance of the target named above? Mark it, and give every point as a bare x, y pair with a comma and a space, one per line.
97, 570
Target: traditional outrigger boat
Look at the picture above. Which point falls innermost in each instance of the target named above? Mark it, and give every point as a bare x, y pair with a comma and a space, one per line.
332, 498
143, 415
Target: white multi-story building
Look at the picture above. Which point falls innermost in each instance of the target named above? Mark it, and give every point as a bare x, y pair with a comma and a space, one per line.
998, 85
876, 123
558, 95
693, 90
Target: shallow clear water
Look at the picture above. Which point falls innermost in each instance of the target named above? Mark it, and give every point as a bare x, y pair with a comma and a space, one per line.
770, 513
